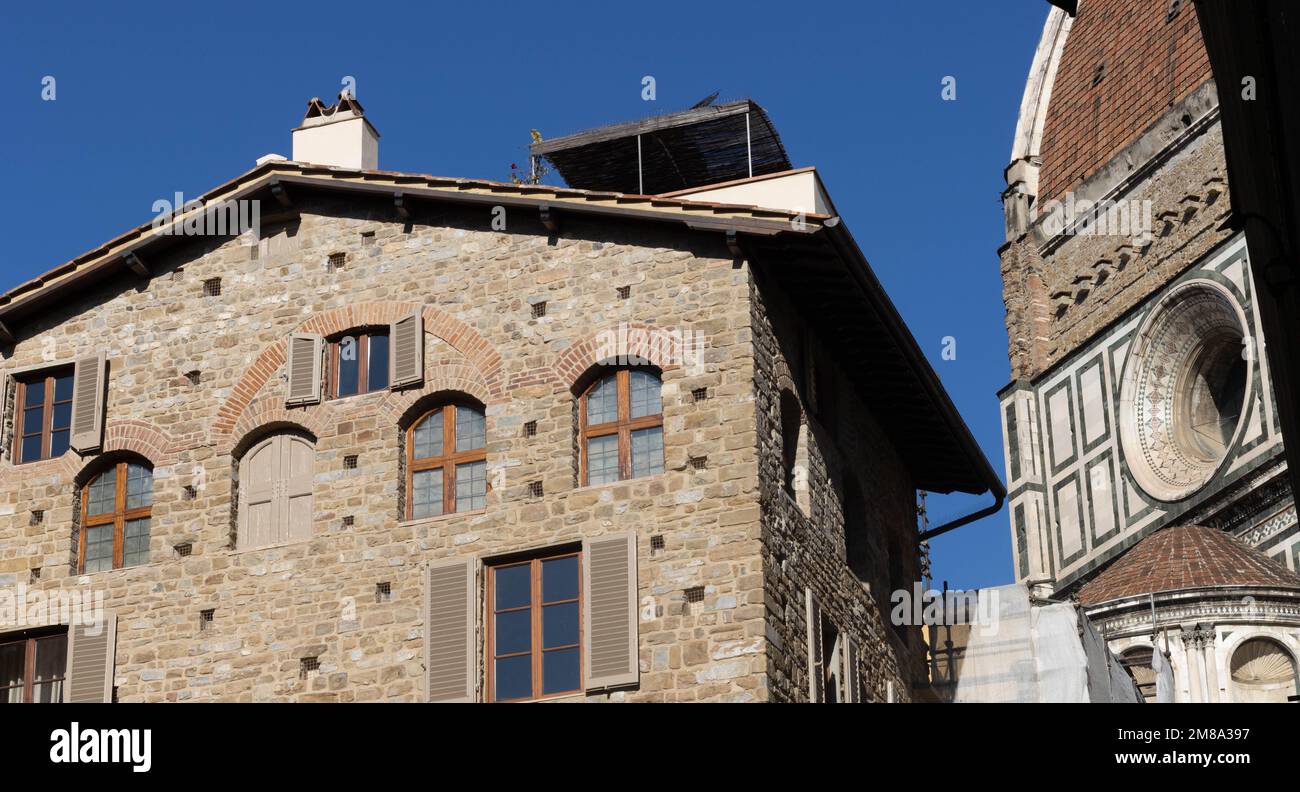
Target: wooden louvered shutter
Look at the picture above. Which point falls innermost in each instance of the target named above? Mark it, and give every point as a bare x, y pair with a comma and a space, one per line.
852, 685
816, 672
304, 368
88, 403
89, 675
609, 611
450, 632
406, 350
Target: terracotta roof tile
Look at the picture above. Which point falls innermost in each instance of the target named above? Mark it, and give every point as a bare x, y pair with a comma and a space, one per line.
1185, 557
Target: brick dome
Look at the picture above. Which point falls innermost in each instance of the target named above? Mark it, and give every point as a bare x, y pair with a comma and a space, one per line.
1124, 64
1186, 557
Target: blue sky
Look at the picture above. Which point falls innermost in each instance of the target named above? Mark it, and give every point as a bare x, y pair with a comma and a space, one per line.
178, 97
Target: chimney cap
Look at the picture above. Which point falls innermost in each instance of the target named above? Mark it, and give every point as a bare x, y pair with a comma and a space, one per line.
346, 102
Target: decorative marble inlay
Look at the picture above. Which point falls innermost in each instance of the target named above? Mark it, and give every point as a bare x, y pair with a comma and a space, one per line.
1184, 390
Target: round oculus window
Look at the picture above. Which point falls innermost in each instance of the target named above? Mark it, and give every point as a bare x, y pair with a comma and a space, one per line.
1184, 390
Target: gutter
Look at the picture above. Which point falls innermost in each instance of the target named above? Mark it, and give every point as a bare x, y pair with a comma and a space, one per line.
844, 244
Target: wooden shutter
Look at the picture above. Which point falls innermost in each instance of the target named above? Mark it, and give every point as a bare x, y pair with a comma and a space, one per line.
304, 368
406, 350
852, 685
609, 611
816, 673
88, 403
451, 631
89, 675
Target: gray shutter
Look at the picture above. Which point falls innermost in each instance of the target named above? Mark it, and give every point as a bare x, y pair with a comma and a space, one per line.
816, 673
304, 368
406, 350
609, 611
88, 403
89, 676
852, 685
450, 631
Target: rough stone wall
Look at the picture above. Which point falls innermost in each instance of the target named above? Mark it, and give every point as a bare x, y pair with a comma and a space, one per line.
1056, 300
809, 550
274, 606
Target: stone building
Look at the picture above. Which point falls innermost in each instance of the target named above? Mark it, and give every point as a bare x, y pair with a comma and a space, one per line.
416, 438
1144, 455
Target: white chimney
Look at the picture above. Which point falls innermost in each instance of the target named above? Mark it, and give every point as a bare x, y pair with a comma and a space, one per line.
339, 135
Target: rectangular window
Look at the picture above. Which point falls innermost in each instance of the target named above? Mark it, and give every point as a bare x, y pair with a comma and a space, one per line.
535, 629
45, 416
359, 363
32, 668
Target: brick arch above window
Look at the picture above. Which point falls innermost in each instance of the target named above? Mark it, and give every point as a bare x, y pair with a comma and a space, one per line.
582, 360
399, 408
267, 416
480, 354
140, 438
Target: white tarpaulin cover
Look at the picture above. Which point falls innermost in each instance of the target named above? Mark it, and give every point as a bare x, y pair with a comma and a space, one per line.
1031, 651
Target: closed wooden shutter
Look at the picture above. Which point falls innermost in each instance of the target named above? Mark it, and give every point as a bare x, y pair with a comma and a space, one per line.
816, 672
406, 350
91, 654
88, 403
451, 631
276, 479
304, 368
852, 685
610, 623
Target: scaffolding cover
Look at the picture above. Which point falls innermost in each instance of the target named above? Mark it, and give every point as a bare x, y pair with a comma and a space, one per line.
1027, 650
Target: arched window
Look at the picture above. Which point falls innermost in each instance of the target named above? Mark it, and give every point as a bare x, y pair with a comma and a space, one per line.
1137, 662
1263, 671
275, 491
621, 427
446, 462
116, 509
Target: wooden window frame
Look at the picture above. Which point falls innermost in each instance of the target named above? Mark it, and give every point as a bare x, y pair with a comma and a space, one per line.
48, 377
29, 641
448, 460
119, 517
537, 605
623, 426
363, 335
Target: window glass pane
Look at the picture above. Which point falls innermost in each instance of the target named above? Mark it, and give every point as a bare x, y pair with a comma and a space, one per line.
427, 437
513, 586
471, 429
31, 448
514, 677
602, 401
426, 493
50, 658
139, 486
645, 394
103, 493
63, 388
560, 579
514, 632
349, 354
560, 671
32, 420
471, 486
34, 394
559, 625
602, 459
377, 360
48, 693
136, 534
62, 418
648, 451
99, 548
12, 657
59, 443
